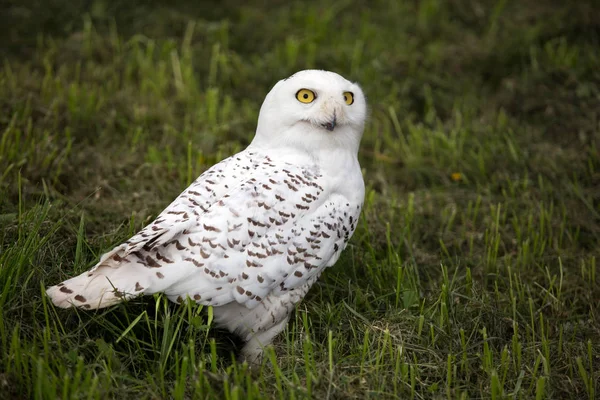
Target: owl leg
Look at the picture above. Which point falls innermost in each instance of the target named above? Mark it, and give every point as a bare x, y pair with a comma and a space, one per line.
253, 350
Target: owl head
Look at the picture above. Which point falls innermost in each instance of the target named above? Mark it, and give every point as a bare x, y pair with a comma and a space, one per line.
312, 109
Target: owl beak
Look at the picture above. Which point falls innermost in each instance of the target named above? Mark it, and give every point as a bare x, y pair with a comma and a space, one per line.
330, 126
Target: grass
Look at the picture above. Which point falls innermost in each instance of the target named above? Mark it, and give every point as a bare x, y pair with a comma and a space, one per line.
472, 274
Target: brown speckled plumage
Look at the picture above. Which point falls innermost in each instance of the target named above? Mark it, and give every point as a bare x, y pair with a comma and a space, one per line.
253, 233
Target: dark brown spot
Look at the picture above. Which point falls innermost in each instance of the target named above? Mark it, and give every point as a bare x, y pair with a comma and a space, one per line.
292, 187
151, 262
298, 274
211, 228
196, 263
244, 275
80, 298
163, 258
66, 290
204, 254
253, 264
86, 306
159, 275
240, 290
210, 243
197, 297
256, 223
138, 287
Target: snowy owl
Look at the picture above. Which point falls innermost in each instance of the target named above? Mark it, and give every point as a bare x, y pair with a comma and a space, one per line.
253, 233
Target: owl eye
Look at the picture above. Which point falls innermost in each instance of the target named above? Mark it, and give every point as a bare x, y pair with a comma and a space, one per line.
349, 97
305, 96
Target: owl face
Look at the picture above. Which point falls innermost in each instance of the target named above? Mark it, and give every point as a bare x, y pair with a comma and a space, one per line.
313, 105
322, 99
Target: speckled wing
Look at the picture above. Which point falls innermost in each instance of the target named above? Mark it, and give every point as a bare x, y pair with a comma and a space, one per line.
248, 228
186, 209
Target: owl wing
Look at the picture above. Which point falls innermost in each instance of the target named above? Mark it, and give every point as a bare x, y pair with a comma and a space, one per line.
274, 233
247, 228
194, 201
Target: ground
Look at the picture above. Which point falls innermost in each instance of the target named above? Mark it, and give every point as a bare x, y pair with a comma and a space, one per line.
473, 271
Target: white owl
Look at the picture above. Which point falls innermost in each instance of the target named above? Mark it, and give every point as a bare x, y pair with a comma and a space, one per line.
253, 233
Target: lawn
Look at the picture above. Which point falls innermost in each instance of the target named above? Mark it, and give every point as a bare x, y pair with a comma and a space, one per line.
473, 270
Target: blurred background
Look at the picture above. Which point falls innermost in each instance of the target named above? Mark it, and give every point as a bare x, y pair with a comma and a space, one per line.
480, 156
183, 80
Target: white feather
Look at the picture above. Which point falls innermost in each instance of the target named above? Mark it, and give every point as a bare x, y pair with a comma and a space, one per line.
253, 233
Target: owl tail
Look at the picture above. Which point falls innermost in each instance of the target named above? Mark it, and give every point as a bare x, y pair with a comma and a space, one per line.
106, 284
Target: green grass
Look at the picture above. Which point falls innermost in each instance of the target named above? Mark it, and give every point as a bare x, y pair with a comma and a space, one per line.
472, 274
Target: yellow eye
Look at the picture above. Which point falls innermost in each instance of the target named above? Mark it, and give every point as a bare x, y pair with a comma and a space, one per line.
349, 97
305, 96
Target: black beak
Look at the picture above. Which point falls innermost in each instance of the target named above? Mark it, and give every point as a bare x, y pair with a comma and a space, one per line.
330, 126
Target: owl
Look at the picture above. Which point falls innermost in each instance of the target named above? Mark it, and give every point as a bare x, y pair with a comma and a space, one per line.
253, 233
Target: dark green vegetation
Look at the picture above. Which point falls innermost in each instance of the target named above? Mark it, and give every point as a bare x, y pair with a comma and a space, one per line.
473, 272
